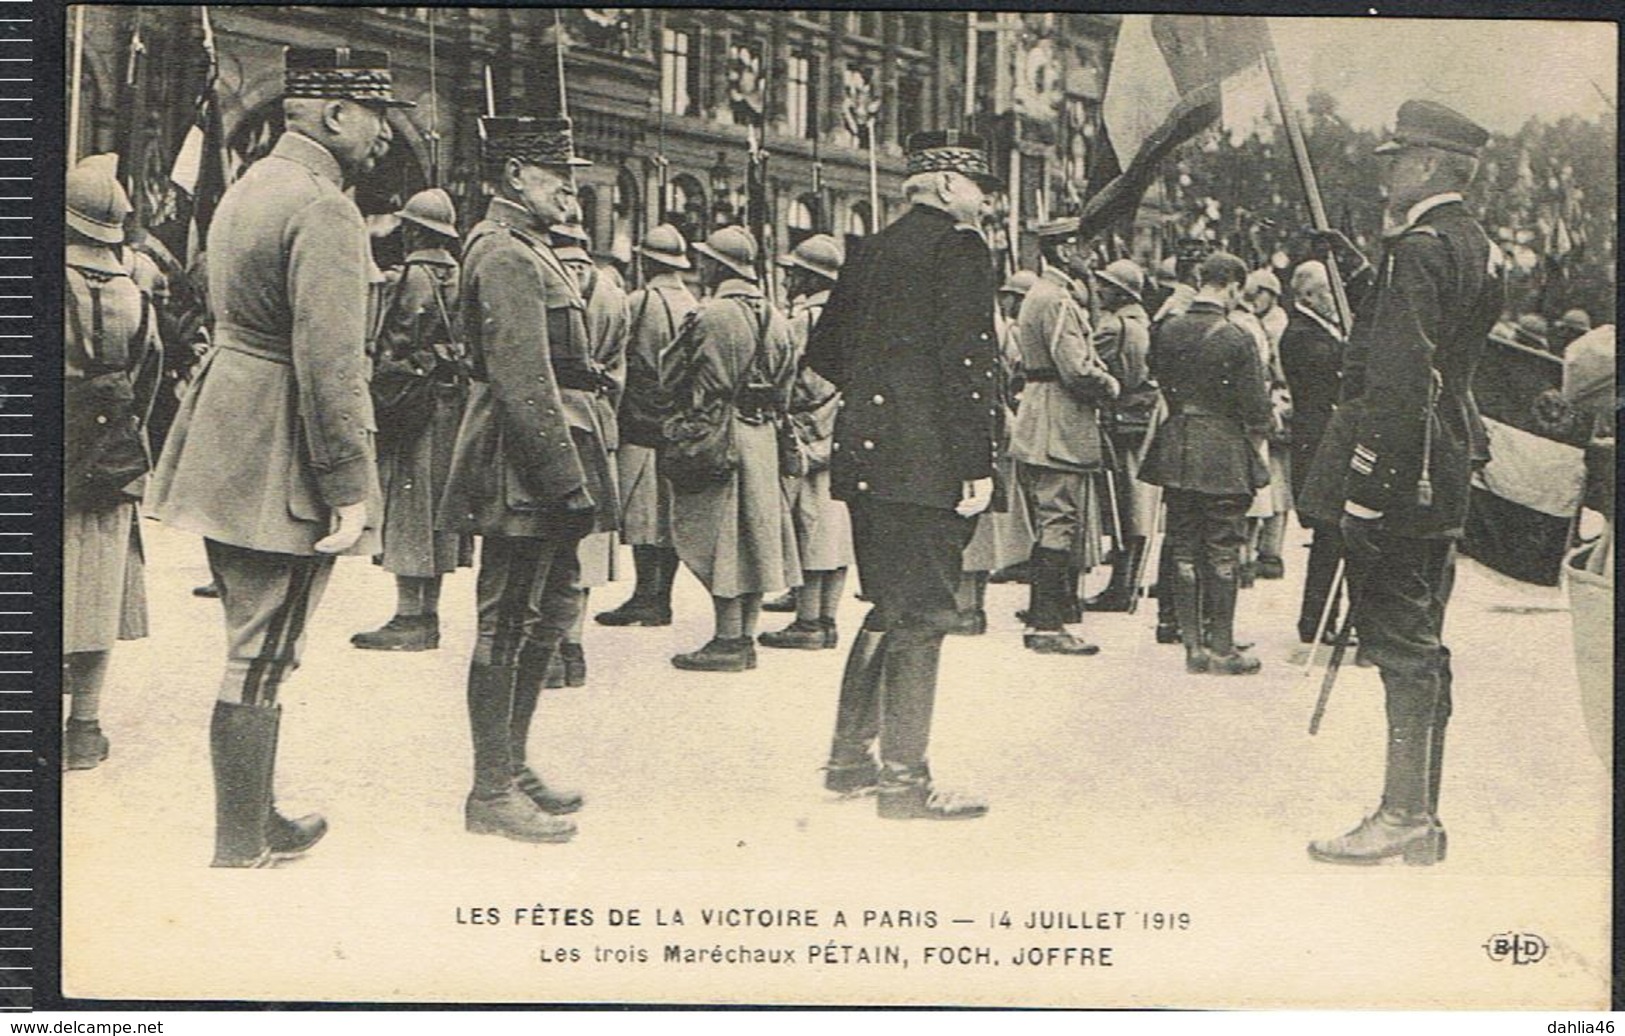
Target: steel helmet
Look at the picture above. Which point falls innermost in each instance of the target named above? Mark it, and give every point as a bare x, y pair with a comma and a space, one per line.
733, 247
1126, 275
1019, 283
665, 245
819, 254
431, 209
96, 201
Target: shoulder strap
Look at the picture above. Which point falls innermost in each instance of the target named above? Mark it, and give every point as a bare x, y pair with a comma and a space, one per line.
763, 322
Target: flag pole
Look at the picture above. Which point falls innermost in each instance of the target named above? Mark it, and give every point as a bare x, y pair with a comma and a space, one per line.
1306, 171
490, 93
558, 53
434, 110
73, 94
874, 180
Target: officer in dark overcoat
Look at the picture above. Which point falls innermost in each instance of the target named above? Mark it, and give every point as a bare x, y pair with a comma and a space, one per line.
288, 266
1204, 458
530, 473
1396, 462
907, 337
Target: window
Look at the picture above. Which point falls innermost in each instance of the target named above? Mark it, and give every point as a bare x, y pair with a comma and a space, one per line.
676, 72
910, 106
798, 80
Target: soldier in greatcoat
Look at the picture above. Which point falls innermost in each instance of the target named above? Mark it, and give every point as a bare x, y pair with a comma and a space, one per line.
1261, 310
1206, 459
735, 534
1123, 342
607, 326
531, 472
1057, 438
823, 528
110, 354
657, 310
907, 337
288, 265
1396, 462
418, 332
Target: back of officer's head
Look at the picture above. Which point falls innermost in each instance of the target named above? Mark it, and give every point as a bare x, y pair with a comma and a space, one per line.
1221, 270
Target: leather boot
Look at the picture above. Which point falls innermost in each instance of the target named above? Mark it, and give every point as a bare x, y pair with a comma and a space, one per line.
719, 655
851, 769
84, 746
648, 605
908, 692
1219, 602
908, 793
496, 805
801, 634
1119, 593
1187, 600
242, 748
1051, 572
402, 633
535, 658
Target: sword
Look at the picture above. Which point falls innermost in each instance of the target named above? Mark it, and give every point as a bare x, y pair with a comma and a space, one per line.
1334, 663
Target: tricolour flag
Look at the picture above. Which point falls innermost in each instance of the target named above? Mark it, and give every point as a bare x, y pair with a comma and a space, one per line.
199, 168
1163, 88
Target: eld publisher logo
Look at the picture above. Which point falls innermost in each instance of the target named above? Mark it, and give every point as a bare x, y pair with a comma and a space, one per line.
1517, 947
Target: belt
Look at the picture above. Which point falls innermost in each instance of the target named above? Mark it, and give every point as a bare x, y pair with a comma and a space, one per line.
582, 379
1042, 374
253, 343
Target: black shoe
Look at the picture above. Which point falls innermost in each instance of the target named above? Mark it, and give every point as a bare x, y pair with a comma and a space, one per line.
1167, 634
800, 634
1058, 642
635, 613
84, 745
784, 603
1271, 568
210, 590
851, 777
1418, 840
1235, 663
289, 838
1112, 599
512, 814
910, 794
971, 622
719, 656
555, 801
402, 633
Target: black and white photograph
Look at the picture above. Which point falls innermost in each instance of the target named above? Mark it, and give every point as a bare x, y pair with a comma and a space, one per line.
838, 508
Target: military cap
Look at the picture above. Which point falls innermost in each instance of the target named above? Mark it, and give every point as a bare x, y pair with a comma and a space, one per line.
665, 245
96, 201
1264, 280
340, 73
1064, 229
1168, 269
1431, 124
530, 141
951, 151
733, 247
1126, 275
1576, 320
819, 254
432, 209
1019, 283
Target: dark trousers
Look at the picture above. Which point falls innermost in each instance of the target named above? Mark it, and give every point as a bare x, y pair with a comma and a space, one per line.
1325, 550
526, 593
267, 599
1206, 530
908, 558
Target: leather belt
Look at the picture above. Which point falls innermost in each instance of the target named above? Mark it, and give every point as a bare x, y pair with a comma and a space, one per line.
252, 343
582, 379
1042, 374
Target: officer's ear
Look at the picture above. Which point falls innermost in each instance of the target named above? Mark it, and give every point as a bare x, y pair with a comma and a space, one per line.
333, 116
513, 172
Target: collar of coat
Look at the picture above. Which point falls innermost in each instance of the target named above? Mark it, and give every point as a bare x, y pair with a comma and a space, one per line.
1056, 275
96, 259
516, 217
737, 288
1330, 328
667, 282
1416, 212
437, 255
1205, 306
298, 148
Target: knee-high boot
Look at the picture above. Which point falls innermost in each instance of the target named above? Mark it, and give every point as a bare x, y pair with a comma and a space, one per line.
851, 768
496, 805
531, 675
248, 830
1219, 586
908, 697
1187, 603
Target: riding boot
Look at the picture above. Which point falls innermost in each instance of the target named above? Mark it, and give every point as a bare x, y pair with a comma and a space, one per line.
1051, 572
496, 805
1164, 591
851, 768
1187, 604
1120, 591
1219, 601
242, 748
647, 606
908, 695
535, 661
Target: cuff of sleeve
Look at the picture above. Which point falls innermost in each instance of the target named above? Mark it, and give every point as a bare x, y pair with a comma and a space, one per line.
1360, 510
346, 482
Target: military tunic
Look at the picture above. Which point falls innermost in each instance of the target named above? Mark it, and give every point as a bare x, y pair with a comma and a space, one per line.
736, 536
413, 474
823, 527
103, 598
607, 326
1123, 342
658, 310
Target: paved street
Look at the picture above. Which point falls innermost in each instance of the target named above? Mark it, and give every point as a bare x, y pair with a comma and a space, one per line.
1117, 772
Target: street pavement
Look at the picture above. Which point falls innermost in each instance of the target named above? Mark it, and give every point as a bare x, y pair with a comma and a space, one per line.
1115, 765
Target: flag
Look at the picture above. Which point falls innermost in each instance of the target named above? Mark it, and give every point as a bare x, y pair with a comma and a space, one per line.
199, 168
1524, 501
1163, 89
859, 105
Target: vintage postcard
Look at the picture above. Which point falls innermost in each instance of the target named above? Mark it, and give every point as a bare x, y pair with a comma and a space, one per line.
679, 506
